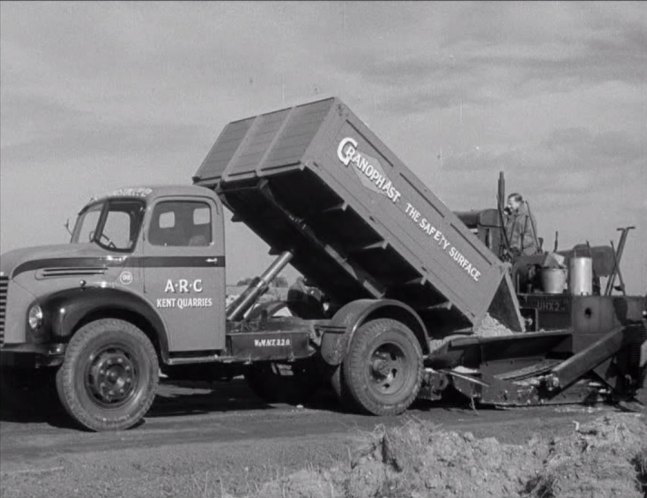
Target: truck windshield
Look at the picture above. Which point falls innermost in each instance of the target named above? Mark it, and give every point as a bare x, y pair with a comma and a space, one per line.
113, 224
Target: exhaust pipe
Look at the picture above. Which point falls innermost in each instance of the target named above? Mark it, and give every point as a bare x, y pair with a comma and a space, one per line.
236, 310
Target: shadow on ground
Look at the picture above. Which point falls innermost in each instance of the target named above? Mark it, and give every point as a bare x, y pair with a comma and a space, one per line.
174, 398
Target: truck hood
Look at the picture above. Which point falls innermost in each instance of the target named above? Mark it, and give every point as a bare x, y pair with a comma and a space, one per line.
29, 258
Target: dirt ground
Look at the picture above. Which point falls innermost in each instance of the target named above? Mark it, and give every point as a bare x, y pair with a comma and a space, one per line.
603, 457
225, 442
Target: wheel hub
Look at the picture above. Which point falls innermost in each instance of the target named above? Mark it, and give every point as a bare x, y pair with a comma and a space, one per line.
386, 368
112, 377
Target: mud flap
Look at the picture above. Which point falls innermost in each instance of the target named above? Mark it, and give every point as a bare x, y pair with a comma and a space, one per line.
334, 344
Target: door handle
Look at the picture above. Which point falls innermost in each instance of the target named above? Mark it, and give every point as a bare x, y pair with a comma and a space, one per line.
212, 260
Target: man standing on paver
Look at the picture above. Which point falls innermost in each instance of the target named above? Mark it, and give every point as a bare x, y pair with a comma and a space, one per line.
520, 227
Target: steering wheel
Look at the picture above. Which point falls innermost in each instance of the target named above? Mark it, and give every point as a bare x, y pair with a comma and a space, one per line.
109, 242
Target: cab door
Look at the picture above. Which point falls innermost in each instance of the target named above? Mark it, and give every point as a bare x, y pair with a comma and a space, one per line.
184, 271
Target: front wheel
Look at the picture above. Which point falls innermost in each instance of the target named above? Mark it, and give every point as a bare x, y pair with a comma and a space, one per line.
383, 368
109, 376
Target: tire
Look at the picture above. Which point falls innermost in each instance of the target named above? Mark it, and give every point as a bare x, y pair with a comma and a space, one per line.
340, 388
109, 376
28, 392
383, 367
291, 383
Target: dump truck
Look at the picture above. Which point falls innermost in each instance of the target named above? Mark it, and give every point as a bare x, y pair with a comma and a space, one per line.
140, 289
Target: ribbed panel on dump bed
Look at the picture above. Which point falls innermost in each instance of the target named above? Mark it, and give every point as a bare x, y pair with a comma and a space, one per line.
263, 144
315, 180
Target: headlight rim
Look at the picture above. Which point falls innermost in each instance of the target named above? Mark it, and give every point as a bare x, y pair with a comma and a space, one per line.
35, 317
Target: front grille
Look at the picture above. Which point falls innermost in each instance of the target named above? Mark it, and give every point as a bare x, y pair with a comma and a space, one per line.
4, 284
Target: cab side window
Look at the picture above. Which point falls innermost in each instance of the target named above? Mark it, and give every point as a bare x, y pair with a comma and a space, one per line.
181, 223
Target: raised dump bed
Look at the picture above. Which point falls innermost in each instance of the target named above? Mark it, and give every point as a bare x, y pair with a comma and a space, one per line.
315, 180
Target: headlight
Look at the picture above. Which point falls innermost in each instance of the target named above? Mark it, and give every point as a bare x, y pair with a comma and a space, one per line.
35, 317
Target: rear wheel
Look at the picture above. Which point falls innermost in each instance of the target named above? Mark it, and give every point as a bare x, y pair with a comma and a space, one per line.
382, 371
109, 376
276, 382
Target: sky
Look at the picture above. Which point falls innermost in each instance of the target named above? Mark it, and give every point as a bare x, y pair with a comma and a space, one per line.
99, 95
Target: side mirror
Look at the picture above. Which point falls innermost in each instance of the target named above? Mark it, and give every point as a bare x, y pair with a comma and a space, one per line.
67, 226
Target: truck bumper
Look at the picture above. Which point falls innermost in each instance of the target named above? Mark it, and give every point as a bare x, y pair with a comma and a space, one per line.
32, 355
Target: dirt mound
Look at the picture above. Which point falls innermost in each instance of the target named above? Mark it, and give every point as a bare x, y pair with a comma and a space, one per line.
640, 465
594, 474
606, 457
423, 461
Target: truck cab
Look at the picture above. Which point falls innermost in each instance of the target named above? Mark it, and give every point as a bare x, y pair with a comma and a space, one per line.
157, 252
148, 259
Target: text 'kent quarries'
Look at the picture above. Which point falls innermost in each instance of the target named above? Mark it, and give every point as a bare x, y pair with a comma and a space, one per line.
371, 174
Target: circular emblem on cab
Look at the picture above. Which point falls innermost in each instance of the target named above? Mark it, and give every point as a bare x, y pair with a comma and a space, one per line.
126, 278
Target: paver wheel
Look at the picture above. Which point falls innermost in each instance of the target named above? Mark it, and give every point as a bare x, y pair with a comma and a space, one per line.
276, 382
383, 368
109, 376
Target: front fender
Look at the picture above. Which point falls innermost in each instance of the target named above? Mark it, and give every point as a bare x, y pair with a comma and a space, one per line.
336, 340
66, 310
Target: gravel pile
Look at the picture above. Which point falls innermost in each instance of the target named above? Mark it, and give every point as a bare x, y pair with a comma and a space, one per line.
489, 327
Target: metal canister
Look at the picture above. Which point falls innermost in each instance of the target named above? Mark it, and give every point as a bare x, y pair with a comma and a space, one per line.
580, 276
553, 280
